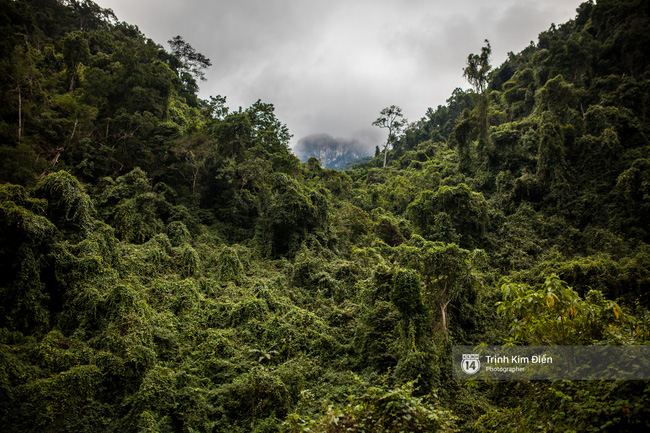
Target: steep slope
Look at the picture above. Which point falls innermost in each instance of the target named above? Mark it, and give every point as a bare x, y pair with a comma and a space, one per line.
167, 265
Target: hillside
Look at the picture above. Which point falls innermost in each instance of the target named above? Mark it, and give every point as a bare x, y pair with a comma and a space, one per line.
167, 265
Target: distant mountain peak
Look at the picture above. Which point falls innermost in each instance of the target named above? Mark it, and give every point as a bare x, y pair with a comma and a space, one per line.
333, 152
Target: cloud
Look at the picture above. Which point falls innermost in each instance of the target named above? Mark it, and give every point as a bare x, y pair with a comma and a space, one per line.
313, 144
334, 152
331, 66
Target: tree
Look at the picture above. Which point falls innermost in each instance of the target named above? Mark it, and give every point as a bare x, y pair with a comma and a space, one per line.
192, 153
75, 52
555, 314
448, 274
234, 135
267, 129
192, 62
451, 214
477, 74
216, 107
25, 76
90, 15
478, 68
392, 119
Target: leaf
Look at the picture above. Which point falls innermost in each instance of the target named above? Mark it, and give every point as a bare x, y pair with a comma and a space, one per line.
550, 301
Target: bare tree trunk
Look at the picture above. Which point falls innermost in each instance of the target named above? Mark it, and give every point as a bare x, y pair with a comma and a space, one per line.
385, 153
20, 114
443, 311
195, 175
74, 129
59, 151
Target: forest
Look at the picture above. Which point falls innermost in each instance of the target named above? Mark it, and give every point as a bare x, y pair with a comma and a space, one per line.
168, 265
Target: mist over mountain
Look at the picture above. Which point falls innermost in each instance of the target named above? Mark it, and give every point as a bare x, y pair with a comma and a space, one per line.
333, 152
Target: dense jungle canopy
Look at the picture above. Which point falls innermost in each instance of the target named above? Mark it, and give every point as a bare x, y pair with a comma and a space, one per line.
168, 265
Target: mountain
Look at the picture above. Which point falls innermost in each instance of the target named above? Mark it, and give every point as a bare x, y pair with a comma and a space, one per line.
332, 152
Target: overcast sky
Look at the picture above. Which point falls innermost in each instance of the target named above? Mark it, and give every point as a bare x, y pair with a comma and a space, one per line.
330, 66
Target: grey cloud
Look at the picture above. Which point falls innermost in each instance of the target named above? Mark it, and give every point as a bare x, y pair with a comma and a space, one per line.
314, 143
331, 66
334, 152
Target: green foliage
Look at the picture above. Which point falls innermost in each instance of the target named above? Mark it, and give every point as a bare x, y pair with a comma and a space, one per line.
25, 235
189, 261
633, 185
379, 409
294, 212
550, 159
169, 265
378, 335
406, 293
557, 98
59, 402
19, 165
392, 119
450, 277
477, 74
229, 265
571, 406
391, 230
68, 205
432, 214
178, 233
138, 212
422, 367
257, 394
557, 315
351, 223
75, 52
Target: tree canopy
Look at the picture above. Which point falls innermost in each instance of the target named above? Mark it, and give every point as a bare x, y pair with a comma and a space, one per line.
169, 265
392, 119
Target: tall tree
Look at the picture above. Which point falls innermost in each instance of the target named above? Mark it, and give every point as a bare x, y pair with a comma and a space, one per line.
192, 153
25, 76
449, 276
392, 119
90, 15
477, 74
267, 128
193, 62
448, 273
75, 52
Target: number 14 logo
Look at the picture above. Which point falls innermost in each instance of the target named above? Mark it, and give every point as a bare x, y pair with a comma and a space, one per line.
471, 363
